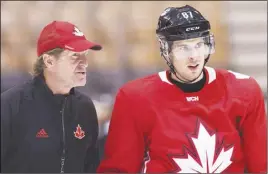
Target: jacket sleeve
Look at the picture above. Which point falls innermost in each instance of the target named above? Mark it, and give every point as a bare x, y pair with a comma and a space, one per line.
254, 133
92, 159
124, 148
6, 113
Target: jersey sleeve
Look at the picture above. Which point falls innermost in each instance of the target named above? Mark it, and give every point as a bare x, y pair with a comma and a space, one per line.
254, 133
125, 145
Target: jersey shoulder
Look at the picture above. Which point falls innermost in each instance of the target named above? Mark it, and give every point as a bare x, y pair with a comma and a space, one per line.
144, 84
238, 83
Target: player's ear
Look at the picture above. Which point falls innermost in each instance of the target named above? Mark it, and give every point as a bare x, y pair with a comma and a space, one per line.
49, 60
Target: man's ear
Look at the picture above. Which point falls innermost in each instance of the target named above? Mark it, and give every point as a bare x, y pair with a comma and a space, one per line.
49, 61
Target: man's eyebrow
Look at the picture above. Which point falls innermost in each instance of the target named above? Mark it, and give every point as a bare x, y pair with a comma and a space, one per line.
179, 44
182, 44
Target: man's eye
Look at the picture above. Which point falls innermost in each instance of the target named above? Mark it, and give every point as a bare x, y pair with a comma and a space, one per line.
200, 44
182, 48
75, 56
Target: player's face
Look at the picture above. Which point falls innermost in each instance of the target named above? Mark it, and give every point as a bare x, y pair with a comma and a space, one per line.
188, 58
70, 68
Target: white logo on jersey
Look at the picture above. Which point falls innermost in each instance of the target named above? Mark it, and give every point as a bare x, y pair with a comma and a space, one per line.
205, 145
195, 98
77, 32
239, 75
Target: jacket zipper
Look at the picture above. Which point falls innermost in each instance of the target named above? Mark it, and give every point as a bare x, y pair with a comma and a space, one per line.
63, 137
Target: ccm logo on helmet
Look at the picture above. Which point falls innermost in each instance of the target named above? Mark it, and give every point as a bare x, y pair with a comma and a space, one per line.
192, 28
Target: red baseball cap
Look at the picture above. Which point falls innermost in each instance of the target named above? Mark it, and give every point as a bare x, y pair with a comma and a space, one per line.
61, 34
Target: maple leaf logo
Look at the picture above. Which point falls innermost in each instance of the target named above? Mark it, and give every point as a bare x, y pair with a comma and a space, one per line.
205, 145
79, 133
77, 32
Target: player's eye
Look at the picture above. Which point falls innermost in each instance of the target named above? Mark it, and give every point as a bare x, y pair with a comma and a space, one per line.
200, 44
183, 48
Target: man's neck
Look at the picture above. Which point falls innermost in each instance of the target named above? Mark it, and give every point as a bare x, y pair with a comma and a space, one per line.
55, 85
196, 80
189, 87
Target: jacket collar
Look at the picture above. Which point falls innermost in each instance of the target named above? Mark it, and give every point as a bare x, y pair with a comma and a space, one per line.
44, 90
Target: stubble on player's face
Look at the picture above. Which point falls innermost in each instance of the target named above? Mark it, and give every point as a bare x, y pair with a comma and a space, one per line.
188, 58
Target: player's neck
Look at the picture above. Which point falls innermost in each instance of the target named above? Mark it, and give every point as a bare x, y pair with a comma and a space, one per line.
56, 86
196, 80
189, 87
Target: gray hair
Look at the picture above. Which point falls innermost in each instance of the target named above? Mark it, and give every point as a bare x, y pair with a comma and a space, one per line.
39, 65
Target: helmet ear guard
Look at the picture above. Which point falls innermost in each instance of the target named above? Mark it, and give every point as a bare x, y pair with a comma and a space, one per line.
210, 42
164, 47
210, 46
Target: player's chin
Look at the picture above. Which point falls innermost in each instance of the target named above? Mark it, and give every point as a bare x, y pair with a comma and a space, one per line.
193, 75
190, 78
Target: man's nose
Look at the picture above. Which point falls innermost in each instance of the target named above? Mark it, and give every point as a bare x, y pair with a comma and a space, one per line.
83, 60
193, 55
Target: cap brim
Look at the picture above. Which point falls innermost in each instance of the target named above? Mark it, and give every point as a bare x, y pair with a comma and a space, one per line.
82, 45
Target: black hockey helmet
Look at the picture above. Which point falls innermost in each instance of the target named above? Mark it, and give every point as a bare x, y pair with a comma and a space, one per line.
181, 23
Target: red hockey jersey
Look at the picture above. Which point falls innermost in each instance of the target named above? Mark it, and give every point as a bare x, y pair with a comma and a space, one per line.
221, 128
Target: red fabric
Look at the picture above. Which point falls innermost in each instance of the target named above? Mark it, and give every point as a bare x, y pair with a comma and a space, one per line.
61, 34
223, 131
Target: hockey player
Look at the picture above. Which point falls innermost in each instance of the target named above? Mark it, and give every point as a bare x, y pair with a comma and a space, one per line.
190, 118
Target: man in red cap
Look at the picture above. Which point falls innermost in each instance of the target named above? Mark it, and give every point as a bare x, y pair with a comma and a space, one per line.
48, 126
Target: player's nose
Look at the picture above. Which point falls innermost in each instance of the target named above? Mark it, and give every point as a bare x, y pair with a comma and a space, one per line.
193, 53
192, 58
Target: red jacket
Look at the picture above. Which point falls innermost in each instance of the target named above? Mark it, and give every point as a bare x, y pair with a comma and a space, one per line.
221, 128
